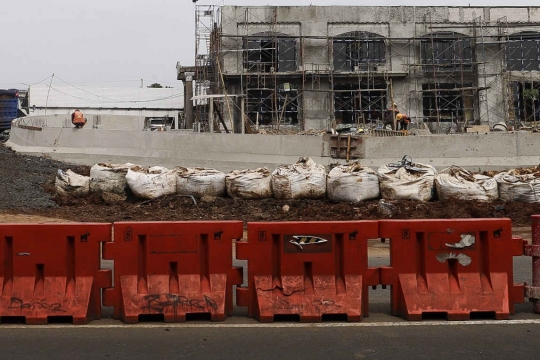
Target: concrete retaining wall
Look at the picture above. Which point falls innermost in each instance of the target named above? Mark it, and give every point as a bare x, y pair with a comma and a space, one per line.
111, 122
226, 152
492, 151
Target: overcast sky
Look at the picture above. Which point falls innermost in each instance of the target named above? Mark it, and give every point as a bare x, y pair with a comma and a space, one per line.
118, 42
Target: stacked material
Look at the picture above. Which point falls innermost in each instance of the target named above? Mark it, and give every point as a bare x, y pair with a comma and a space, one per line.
352, 183
151, 183
458, 183
522, 185
109, 177
249, 184
70, 183
407, 181
303, 180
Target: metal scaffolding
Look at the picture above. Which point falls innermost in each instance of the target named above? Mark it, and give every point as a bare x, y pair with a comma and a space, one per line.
454, 74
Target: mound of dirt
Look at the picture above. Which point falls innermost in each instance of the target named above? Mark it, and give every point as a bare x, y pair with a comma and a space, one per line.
22, 179
27, 187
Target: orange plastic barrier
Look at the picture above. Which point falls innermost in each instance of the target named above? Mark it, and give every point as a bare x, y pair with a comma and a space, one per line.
172, 268
309, 269
52, 270
532, 291
457, 267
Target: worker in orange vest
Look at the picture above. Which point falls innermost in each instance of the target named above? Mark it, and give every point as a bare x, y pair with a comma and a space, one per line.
402, 121
77, 118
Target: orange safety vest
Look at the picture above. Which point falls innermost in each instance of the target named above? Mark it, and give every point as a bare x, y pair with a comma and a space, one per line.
77, 118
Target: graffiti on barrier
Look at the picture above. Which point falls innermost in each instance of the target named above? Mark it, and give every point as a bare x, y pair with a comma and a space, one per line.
160, 303
17, 303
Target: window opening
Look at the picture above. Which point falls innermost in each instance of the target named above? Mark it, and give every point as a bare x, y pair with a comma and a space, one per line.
265, 106
523, 52
446, 51
359, 103
453, 103
269, 54
360, 51
526, 100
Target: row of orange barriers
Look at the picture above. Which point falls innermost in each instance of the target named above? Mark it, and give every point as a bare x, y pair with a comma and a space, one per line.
309, 269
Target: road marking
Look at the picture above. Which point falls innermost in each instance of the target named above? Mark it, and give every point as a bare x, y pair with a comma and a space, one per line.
272, 325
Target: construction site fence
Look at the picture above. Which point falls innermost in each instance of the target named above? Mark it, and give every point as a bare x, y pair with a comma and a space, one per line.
310, 271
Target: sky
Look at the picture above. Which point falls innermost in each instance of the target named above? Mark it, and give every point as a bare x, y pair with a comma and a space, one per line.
114, 43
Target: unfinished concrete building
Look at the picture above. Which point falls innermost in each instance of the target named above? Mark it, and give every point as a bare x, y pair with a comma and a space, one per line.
312, 67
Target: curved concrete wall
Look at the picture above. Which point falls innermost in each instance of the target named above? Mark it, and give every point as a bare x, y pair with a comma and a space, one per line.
119, 139
112, 122
225, 152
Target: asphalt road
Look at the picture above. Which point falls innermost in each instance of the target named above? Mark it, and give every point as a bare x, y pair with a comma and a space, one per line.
384, 342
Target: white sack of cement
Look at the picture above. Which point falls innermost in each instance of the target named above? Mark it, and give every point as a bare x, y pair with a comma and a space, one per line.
352, 183
249, 184
70, 183
303, 180
151, 183
200, 182
458, 183
516, 187
109, 177
407, 182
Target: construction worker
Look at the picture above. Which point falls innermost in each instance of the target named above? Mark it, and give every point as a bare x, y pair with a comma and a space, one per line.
389, 116
77, 119
402, 121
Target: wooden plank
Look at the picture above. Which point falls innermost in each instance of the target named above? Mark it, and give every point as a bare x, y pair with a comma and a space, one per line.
27, 127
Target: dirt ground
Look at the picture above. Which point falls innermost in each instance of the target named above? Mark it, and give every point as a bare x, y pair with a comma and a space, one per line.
27, 195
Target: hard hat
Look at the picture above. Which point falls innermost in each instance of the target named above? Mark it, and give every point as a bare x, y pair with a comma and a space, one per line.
399, 117
360, 131
395, 104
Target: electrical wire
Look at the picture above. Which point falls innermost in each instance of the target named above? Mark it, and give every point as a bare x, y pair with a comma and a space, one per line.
111, 101
116, 100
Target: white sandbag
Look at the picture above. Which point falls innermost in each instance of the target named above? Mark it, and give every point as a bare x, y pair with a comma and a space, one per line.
249, 184
407, 181
458, 183
151, 183
70, 183
516, 187
352, 183
109, 177
303, 180
200, 182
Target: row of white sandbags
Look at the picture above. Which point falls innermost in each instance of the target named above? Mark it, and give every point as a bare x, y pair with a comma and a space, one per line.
103, 178
153, 182
305, 179
514, 186
421, 182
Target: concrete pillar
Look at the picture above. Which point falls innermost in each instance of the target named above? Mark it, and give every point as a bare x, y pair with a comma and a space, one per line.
211, 115
188, 103
243, 120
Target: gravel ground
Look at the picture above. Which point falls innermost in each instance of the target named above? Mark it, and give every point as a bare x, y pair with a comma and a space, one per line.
22, 180
27, 188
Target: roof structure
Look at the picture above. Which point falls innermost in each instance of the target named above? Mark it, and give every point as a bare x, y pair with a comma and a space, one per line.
64, 96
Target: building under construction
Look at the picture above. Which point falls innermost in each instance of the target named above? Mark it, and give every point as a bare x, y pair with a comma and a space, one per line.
310, 67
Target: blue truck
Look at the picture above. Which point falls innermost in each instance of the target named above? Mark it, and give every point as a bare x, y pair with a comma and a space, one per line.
9, 106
